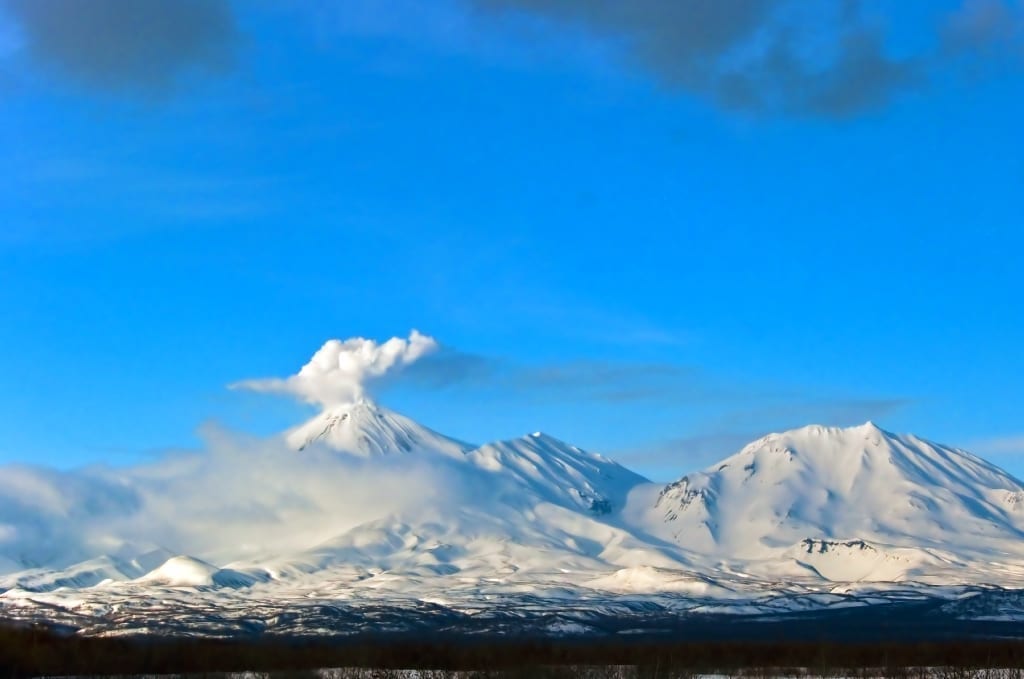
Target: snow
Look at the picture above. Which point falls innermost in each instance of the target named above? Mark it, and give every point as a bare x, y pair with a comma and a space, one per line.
844, 485
361, 504
182, 571
365, 429
646, 579
558, 472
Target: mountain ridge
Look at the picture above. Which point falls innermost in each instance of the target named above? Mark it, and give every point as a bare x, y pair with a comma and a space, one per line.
798, 511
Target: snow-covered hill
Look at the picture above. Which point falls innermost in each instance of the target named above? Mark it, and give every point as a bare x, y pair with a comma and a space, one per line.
363, 505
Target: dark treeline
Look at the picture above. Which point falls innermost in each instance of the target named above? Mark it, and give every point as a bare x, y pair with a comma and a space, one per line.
33, 651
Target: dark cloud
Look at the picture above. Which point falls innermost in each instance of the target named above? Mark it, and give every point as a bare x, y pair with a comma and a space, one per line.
678, 38
728, 415
859, 77
744, 407
450, 368
748, 55
127, 44
820, 410
985, 37
759, 56
604, 381
776, 56
686, 453
986, 26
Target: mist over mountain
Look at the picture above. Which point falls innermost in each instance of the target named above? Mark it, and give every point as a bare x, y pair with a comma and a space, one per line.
363, 504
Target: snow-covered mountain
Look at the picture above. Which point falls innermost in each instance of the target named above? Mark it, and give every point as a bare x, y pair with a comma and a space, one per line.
541, 466
560, 473
361, 504
366, 429
835, 484
534, 503
859, 496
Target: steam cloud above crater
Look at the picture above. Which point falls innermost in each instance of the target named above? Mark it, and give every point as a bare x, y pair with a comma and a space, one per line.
341, 369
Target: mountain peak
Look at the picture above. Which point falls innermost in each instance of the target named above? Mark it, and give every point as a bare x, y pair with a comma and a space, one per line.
547, 439
815, 435
840, 483
870, 428
366, 429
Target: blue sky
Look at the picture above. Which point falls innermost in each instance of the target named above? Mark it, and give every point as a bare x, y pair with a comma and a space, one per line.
663, 264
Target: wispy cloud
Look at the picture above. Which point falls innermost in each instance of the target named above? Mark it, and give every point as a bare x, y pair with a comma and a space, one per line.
598, 381
721, 435
264, 501
683, 453
785, 409
136, 45
158, 198
1004, 445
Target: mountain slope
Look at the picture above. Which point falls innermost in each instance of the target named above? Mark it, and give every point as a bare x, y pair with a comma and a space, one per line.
366, 429
559, 473
532, 504
861, 483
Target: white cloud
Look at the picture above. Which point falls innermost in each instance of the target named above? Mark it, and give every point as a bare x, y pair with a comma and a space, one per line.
240, 497
340, 371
